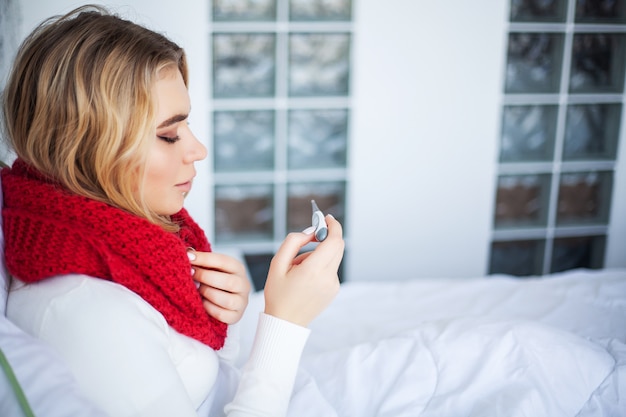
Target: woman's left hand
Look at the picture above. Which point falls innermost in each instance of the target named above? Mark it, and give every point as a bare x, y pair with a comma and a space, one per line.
224, 286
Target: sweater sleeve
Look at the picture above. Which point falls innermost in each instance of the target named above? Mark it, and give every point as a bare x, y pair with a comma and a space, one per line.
268, 377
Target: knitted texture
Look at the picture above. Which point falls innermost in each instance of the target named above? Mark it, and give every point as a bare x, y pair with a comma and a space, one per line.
49, 231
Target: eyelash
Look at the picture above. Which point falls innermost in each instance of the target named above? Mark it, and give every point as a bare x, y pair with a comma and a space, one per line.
169, 139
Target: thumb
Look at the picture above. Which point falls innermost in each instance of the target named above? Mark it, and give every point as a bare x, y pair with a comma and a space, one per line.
290, 248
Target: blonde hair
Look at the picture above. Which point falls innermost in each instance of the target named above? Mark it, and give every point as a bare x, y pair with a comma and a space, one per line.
79, 106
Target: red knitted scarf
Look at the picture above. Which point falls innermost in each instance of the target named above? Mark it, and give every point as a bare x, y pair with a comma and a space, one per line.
49, 231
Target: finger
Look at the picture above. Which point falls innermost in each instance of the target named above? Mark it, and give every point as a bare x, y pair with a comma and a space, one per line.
332, 247
222, 280
222, 299
216, 261
301, 258
289, 249
335, 229
225, 316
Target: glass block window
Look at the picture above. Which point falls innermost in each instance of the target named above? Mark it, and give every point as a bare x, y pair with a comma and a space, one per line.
538, 10
600, 11
280, 114
326, 194
592, 131
598, 61
243, 65
517, 257
320, 10
319, 64
317, 139
521, 201
244, 10
584, 198
243, 140
244, 212
560, 130
578, 252
534, 62
528, 133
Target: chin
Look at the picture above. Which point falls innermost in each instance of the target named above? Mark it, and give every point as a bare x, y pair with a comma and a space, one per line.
170, 210
175, 210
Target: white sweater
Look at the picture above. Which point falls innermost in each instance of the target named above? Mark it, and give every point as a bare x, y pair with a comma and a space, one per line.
130, 362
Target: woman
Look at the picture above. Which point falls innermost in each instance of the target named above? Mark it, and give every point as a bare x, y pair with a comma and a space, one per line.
109, 268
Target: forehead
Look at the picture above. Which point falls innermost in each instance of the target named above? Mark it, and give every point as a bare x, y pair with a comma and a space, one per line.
171, 93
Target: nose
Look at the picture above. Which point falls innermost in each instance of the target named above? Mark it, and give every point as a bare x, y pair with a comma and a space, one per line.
196, 151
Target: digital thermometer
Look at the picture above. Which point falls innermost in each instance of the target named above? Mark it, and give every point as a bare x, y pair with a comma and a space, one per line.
318, 222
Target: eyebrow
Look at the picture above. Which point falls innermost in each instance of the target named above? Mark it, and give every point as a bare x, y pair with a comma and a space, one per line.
172, 120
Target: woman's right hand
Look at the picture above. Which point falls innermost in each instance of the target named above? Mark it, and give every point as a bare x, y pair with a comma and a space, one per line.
300, 287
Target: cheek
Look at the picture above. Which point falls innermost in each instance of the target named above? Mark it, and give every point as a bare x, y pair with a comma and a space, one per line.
159, 191
156, 177
159, 169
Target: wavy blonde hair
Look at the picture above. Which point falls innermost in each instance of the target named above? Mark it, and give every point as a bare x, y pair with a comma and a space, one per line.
79, 104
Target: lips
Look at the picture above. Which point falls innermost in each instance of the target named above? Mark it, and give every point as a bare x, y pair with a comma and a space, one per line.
184, 187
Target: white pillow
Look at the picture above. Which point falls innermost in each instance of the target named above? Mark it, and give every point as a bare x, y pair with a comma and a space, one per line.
47, 383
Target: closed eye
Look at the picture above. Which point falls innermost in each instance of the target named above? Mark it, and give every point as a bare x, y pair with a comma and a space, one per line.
169, 139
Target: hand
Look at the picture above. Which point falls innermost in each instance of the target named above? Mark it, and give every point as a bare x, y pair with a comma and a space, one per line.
224, 285
300, 287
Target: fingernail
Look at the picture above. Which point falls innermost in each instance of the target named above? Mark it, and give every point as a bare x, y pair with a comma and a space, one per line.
197, 284
309, 230
331, 216
193, 271
191, 255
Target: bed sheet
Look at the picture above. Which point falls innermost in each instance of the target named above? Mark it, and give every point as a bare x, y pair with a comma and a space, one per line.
489, 346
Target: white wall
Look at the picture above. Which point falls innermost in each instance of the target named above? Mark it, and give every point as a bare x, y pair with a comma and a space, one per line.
427, 82
427, 86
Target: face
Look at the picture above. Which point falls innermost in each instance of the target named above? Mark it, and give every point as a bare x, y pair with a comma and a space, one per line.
170, 162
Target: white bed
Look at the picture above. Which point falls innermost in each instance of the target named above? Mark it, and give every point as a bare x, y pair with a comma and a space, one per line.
489, 346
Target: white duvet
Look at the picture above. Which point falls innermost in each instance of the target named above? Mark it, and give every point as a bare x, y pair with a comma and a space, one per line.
482, 347
478, 347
